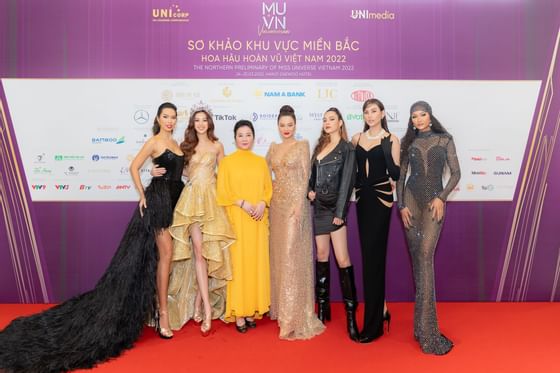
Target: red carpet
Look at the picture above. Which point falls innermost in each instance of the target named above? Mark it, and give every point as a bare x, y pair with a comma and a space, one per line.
489, 337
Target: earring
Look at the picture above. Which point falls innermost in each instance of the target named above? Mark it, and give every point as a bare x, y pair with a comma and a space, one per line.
430, 124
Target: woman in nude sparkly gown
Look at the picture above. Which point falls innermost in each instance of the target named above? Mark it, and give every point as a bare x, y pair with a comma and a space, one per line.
426, 147
292, 300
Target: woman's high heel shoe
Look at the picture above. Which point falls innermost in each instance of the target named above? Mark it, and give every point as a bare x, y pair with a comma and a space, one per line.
206, 328
197, 317
162, 332
387, 317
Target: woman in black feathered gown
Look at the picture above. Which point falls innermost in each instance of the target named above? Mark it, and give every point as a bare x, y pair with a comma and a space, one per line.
101, 323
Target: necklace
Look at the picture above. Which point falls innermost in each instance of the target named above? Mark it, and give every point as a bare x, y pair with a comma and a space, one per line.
376, 136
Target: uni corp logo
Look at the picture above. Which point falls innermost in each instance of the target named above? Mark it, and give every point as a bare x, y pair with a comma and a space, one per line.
273, 19
171, 14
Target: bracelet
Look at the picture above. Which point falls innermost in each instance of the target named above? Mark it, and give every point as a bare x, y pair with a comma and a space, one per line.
242, 203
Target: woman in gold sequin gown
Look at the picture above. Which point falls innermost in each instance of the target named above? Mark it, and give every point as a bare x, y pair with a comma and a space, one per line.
292, 300
201, 233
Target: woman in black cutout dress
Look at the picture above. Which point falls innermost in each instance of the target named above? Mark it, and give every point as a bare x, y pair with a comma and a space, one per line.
101, 323
377, 157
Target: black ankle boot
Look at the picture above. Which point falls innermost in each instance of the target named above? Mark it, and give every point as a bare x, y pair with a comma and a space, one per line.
322, 284
350, 299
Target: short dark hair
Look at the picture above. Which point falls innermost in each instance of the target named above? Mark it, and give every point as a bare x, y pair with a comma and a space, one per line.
243, 123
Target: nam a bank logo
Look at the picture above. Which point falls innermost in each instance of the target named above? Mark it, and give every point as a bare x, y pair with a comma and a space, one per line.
273, 20
171, 14
270, 94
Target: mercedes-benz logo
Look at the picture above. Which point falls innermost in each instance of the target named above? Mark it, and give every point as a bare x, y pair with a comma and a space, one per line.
141, 116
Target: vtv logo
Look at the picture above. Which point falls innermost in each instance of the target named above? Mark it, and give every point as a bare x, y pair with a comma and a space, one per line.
38, 187
62, 186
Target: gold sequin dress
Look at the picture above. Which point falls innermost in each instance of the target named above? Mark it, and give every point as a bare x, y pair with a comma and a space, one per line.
291, 247
197, 204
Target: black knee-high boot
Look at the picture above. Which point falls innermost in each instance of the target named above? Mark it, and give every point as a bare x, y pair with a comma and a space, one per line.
322, 284
350, 299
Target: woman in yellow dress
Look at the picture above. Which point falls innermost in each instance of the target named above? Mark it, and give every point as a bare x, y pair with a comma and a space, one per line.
201, 232
245, 189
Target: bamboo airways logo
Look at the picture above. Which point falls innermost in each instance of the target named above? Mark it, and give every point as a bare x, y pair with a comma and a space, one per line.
273, 19
373, 16
171, 14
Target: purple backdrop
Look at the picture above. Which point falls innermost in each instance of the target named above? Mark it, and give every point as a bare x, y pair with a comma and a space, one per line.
487, 251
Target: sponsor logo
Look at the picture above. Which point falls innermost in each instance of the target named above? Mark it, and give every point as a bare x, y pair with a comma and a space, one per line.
501, 158
470, 187
171, 14
38, 186
40, 170
61, 186
40, 158
227, 92
97, 157
477, 158
64, 157
103, 187
122, 187
316, 116
326, 93
141, 140
264, 116
361, 95
71, 171
502, 173
260, 93
273, 19
262, 141
374, 16
225, 117
141, 117
85, 187
478, 172
107, 140
392, 116
488, 187
355, 116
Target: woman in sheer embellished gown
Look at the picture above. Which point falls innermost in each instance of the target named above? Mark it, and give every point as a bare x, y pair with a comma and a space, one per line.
292, 301
101, 323
201, 232
426, 148
377, 158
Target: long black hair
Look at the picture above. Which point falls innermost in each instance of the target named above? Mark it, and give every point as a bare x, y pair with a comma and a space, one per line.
166, 105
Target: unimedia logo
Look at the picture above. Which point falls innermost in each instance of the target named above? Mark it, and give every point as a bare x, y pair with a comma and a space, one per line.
39, 186
85, 187
361, 95
264, 116
61, 186
478, 173
225, 117
374, 16
273, 19
107, 140
502, 173
171, 14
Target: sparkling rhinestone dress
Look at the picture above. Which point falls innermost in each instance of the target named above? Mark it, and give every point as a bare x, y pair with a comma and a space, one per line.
291, 249
427, 156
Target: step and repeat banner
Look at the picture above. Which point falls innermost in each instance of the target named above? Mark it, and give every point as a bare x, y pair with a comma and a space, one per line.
104, 123
80, 82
